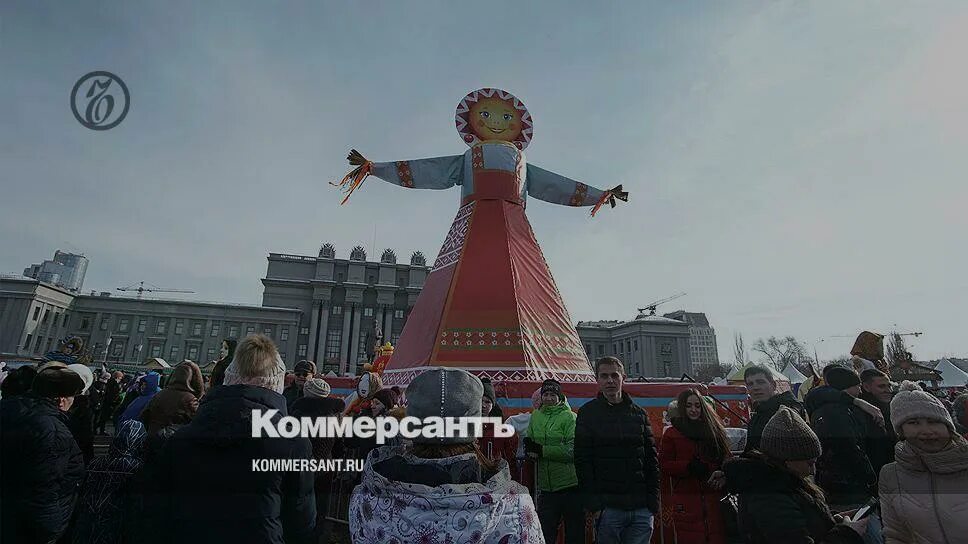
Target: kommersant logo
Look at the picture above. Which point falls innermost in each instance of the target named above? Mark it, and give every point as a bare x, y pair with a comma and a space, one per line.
367, 427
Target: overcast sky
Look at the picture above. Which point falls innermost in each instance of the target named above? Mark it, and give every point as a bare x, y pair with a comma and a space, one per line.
796, 168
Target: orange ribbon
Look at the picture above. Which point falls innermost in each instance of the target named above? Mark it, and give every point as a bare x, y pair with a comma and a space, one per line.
354, 179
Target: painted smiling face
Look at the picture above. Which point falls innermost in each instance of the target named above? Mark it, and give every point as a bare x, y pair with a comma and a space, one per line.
495, 119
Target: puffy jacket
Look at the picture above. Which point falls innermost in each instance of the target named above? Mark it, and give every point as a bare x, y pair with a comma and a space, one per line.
844, 470
772, 510
149, 390
615, 456
177, 402
41, 470
924, 496
960, 413
554, 428
689, 504
404, 499
204, 488
765, 410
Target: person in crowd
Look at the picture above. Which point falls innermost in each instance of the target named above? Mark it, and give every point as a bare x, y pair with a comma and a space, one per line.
960, 414
522, 469
225, 355
551, 445
778, 502
765, 401
103, 509
41, 466
876, 389
130, 392
150, 386
615, 457
495, 447
303, 371
691, 457
238, 504
924, 493
317, 403
110, 401
289, 379
81, 415
177, 403
844, 470
443, 489
18, 382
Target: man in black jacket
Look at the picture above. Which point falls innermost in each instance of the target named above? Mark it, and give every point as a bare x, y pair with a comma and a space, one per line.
761, 387
844, 469
205, 486
876, 389
42, 466
615, 459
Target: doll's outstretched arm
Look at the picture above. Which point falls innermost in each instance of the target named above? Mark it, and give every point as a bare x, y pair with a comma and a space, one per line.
557, 189
433, 173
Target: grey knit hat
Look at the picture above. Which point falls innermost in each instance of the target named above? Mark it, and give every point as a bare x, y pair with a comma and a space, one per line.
445, 392
911, 402
787, 437
316, 387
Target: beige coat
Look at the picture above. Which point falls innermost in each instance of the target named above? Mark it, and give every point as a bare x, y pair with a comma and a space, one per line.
924, 497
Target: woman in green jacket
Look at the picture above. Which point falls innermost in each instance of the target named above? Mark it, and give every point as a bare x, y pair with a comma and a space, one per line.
551, 443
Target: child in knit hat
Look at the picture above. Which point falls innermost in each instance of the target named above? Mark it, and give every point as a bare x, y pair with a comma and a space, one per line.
924, 492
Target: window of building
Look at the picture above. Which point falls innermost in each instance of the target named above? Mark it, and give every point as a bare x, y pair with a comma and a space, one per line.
37, 344
118, 348
303, 330
211, 354
601, 349
46, 315
85, 323
123, 325
333, 340
402, 282
161, 327
250, 330
174, 353
367, 312
339, 277
193, 353
156, 350
284, 334
337, 310
196, 329
361, 354
50, 345
104, 323
396, 339
267, 331
398, 314
142, 325
66, 317
372, 280
56, 317
216, 328
179, 327
283, 356
36, 312
27, 342
233, 331
302, 350
615, 349
635, 345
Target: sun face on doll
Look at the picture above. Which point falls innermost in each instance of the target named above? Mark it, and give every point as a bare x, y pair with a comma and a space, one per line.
495, 119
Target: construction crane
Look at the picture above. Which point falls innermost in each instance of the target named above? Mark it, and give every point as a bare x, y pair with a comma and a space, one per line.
141, 289
652, 305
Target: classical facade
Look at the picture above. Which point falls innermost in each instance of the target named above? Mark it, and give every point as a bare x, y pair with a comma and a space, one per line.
649, 346
35, 315
702, 337
346, 305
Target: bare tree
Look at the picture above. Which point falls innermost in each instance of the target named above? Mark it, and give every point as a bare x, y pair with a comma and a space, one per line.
778, 352
897, 351
740, 355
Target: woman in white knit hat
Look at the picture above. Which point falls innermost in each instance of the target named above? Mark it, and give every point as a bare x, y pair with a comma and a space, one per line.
924, 493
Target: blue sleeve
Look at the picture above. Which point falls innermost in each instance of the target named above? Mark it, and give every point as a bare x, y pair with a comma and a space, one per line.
434, 173
557, 189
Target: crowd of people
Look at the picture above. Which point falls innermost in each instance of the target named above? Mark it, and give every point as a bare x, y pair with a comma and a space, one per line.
180, 464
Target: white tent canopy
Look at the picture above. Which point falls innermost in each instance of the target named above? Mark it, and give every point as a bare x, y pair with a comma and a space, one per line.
737, 374
792, 374
951, 376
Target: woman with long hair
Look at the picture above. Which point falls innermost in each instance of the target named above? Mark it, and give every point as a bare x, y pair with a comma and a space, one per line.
442, 489
924, 493
691, 456
225, 355
778, 502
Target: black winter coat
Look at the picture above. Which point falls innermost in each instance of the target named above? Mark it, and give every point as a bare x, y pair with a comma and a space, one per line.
204, 484
81, 423
41, 470
615, 456
844, 470
327, 447
880, 441
766, 410
773, 510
